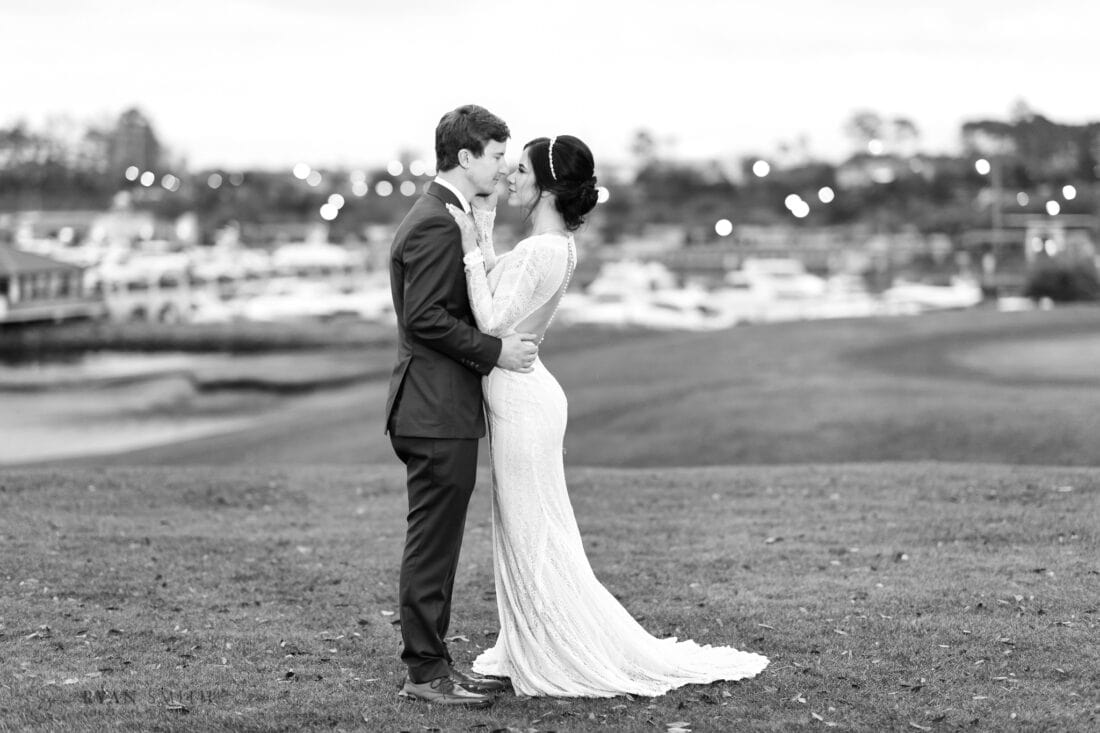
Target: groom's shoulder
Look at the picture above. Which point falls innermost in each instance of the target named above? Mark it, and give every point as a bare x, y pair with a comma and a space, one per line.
426, 208
427, 211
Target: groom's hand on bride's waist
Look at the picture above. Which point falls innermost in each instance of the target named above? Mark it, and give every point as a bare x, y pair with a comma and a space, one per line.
518, 352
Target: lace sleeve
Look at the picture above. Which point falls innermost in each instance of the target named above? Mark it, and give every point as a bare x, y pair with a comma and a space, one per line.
516, 294
483, 222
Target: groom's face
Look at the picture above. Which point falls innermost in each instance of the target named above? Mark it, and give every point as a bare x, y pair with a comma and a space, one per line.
486, 170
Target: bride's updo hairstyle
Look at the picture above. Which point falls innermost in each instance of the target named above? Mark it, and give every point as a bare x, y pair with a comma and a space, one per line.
564, 167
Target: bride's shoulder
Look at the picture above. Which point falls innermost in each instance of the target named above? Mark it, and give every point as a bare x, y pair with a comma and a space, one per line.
547, 240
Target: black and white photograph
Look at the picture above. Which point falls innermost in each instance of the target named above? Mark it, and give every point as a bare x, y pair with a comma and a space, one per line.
514, 367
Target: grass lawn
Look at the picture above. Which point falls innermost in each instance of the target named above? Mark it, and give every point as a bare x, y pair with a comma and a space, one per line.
891, 596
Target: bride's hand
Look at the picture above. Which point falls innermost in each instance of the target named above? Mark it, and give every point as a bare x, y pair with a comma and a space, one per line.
466, 226
487, 201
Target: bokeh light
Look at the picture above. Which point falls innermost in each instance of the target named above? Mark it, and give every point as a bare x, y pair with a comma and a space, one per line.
214, 180
801, 209
982, 166
761, 168
408, 188
417, 167
336, 200
383, 188
723, 227
825, 195
1069, 193
792, 201
1023, 199
301, 171
602, 195
360, 188
132, 173
170, 182
1053, 207
357, 177
395, 168
875, 147
314, 178
329, 212
147, 178
236, 179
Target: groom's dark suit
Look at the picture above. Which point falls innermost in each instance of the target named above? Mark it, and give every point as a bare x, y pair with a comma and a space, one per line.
434, 418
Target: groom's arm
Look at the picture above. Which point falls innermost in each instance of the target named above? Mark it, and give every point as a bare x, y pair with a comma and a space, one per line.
432, 255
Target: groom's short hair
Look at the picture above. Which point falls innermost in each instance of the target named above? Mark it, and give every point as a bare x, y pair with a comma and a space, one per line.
469, 127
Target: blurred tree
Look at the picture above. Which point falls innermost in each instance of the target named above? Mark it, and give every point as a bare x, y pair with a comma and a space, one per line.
863, 127
904, 136
643, 148
1063, 280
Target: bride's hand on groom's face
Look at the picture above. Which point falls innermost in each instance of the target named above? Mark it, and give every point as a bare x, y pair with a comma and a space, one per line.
488, 202
465, 226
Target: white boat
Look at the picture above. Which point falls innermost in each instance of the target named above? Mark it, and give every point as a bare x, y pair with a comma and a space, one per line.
919, 297
778, 277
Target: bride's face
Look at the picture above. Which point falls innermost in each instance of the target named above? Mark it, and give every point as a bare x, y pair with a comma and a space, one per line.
522, 191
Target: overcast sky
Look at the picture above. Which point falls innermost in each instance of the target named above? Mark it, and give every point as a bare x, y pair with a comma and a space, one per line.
268, 83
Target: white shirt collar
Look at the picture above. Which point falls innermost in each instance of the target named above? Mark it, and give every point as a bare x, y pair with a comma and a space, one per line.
461, 199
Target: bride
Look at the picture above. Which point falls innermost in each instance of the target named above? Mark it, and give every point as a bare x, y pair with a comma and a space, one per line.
561, 632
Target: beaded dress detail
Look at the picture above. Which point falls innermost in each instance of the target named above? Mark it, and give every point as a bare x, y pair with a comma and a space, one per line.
562, 633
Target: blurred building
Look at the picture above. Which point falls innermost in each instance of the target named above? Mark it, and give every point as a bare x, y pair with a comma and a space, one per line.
133, 142
37, 288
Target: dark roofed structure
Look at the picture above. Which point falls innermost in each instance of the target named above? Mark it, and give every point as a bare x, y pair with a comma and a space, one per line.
16, 261
37, 288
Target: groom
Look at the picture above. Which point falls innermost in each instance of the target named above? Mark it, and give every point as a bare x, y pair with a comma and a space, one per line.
434, 411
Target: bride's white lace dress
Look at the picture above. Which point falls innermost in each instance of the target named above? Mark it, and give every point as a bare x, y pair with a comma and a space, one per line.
561, 632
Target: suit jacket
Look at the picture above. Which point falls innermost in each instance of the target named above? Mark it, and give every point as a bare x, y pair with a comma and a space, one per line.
435, 389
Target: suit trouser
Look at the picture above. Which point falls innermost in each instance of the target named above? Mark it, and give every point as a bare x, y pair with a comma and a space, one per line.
441, 474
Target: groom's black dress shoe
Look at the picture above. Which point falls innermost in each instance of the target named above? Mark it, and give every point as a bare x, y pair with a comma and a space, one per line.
444, 691
475, 682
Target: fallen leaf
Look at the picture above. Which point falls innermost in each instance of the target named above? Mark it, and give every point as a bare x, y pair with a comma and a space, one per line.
917, 726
